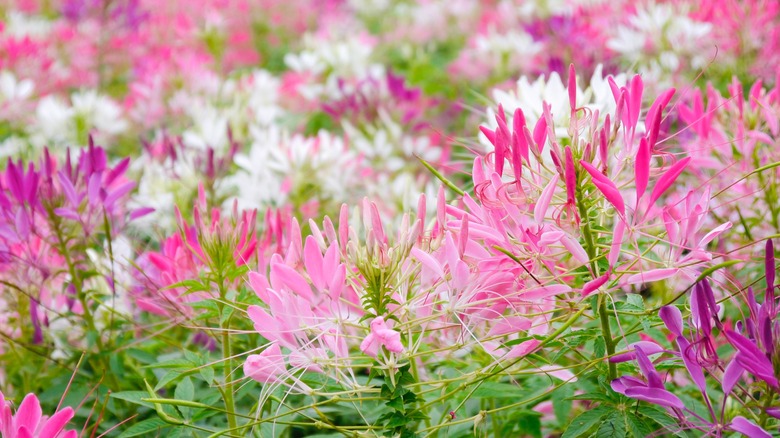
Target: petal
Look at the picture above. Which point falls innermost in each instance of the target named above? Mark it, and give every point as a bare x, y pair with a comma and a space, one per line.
281, 274
428, 261
748, 428
656, 396
606, 187
646, 346
259, 284
545, 292
559, 373
510, 324
668, 178
540, 209
29, 413
672, 317
652, 275
642, 168
731, 375
267, 366
522, 349
370, 345
313, 260
56, 422
595, 284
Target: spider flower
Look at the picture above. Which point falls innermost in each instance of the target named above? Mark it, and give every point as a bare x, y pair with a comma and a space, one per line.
29, 421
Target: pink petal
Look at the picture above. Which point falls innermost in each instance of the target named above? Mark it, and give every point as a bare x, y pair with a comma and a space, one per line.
572, 88
642, 168
428, 261
668, 178
118, 193
267, 366
594, 284
370, 345
606, 187
523, 348
29, 413
281, 274
540, 134
617, 241
259, 284
713, 234
540, 209
559, 373
489, 133
544, 292
93, 189
56, 422
313, 260
570, 176
637, 87
391, 339
652, 275
510, 324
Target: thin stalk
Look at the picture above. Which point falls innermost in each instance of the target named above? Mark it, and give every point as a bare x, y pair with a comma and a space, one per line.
230, 405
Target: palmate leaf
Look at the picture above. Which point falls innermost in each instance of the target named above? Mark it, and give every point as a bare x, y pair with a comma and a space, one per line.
663, 420
613, 426
586, 421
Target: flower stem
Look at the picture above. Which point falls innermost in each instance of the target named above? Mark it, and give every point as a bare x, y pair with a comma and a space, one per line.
590, 247
606, 332
224, 326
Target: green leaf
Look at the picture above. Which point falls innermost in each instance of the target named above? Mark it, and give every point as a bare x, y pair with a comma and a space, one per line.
585, 421
638, 426
593, 396
146, 428
635, 302
207, 373
614, 426
133, 397
185, 390
660, 417
167, 378
562, 403
599, 347
396, 403
529, 424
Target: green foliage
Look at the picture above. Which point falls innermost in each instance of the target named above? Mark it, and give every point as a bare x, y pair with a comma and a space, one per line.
401, 414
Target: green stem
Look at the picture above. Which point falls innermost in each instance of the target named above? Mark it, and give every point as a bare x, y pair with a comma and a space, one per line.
607, 334
230, 406
590, 247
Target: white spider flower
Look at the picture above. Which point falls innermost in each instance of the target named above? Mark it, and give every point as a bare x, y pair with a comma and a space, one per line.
529, 97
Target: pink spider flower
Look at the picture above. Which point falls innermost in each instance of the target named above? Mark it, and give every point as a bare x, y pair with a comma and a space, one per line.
382, 335
29, 421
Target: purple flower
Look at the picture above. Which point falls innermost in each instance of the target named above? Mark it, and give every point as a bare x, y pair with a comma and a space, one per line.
751, 359
651, 391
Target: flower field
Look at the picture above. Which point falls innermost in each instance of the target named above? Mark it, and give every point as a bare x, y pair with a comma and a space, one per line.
389, 218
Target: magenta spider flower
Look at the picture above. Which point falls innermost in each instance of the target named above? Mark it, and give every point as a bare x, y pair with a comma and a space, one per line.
29, 421
651, 389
